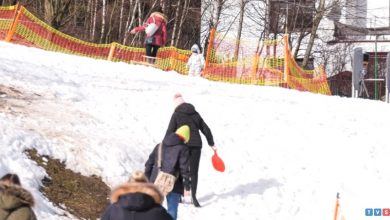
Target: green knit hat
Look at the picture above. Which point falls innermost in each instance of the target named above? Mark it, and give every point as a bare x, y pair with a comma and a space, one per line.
184, 133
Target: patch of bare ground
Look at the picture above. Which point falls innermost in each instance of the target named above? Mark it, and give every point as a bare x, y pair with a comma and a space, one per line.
82, 196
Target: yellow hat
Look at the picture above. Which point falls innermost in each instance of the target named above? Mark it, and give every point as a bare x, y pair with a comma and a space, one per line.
184, 133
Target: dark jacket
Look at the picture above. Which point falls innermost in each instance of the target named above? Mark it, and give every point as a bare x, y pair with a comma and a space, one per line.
185, 114
174, 160
160, 36
136, 201
15, 203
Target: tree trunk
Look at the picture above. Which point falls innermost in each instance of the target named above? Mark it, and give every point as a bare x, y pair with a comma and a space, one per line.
57, 12
316, 22
182, 19
121, 18
130, 18
299, 42
108, 35
175, 24
102, 30
163, 6
94, 20
239, 30
214, 19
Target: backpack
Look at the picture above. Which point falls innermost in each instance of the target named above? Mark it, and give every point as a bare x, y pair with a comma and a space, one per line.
151, 28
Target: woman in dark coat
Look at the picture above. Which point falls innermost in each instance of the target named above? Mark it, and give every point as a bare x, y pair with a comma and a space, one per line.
157, 39
136, 200
15, 202
174, 160
185, 113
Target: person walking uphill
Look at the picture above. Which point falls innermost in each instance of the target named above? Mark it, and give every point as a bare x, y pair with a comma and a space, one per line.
136, 200
174, 159
185, 113
15, 202
155, 29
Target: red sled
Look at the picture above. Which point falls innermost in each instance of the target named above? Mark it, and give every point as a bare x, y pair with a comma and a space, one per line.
217, 162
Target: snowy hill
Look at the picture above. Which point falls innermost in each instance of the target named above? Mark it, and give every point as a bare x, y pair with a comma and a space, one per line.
287, 153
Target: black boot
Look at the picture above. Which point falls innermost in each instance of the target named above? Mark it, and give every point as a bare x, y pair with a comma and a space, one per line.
194, 199
195, 202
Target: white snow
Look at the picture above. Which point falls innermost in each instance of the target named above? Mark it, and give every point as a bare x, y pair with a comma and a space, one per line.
287, 153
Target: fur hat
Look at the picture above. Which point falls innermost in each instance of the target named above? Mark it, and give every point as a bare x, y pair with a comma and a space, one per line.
177, 100
184, 133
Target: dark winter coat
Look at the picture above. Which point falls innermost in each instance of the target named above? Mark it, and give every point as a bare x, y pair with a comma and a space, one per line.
174, 160
160, 36
185, 114
15, 203
136, 201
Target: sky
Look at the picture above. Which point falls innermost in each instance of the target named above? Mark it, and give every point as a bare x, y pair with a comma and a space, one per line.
287, 153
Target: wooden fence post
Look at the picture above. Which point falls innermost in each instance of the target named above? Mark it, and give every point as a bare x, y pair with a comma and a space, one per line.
112, 50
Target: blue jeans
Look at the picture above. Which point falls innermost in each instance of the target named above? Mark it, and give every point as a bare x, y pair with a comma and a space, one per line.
173, 200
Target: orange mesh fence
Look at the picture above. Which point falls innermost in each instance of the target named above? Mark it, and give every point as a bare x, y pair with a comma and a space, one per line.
306, 80
7, 15
31, 31
247, 61
266, 62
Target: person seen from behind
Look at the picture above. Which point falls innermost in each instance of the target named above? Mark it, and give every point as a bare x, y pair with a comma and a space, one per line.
157, 37
174, 160
196, 61
15, 202
185, 113
137, 199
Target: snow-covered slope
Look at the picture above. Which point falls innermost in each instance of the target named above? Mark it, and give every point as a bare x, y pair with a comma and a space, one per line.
287, 153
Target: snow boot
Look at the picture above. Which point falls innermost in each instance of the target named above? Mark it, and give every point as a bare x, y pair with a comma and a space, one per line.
195, 202
194, 199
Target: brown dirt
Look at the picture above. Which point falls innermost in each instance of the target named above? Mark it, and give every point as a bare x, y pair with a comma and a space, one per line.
82, 196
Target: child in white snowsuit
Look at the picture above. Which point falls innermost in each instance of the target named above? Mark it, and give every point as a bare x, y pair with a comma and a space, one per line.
195, 63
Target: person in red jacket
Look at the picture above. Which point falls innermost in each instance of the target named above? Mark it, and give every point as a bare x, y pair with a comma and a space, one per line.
155, 29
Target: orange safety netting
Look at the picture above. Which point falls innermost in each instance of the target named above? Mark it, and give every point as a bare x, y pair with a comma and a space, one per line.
262, 64
31, 31
267, 62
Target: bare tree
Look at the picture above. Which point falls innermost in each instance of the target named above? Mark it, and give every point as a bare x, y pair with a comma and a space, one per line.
110, 24
103, 25
94, 19
176, 22
211, 17
321, 11
131, 18
239, 29
182, 20
121, 18
57, 12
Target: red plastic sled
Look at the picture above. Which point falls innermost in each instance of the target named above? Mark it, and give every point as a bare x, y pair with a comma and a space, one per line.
217, 162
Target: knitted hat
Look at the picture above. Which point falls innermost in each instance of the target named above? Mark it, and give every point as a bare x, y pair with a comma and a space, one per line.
177, 100
184, 133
